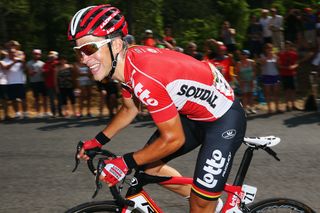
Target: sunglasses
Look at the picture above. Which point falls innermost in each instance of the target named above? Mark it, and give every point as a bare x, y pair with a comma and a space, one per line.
90, 47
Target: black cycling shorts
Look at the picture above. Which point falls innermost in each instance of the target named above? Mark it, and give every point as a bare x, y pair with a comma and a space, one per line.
219, 142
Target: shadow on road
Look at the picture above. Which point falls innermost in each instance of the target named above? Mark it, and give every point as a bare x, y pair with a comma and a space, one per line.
146, 121
302, 119
63, 123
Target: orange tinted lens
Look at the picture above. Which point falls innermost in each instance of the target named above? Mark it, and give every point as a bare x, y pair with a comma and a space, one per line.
89, 49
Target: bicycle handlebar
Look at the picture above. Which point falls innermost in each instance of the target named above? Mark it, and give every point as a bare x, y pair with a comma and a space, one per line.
97, 171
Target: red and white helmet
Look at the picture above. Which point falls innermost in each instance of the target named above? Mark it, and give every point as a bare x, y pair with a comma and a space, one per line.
102, 21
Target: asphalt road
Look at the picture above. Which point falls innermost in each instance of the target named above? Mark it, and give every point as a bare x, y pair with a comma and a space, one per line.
37, 157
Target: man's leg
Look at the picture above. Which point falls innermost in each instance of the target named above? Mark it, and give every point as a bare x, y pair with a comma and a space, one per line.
198, 204
35, 91
222, 139
51, 94
161, 169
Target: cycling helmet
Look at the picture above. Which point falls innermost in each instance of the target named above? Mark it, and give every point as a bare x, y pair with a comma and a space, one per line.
102, 21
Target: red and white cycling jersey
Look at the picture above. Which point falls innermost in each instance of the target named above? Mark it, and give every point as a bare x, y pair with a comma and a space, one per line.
168, 83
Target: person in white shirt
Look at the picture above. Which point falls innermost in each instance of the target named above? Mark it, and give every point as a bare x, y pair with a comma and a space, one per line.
3, 89
14, 69
276, 27
35, 72
264, 21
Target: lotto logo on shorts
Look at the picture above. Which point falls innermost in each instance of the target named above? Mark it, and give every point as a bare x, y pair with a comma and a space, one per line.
213, 167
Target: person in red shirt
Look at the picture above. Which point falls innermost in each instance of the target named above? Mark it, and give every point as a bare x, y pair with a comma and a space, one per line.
149, 40
49, 79
190, 102
223, 62
288, 63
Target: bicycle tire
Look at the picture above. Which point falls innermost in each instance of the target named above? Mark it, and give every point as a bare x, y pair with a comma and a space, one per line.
96, 206
280, 205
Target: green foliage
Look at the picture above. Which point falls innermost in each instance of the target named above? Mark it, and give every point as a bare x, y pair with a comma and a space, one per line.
43, 24
14, 7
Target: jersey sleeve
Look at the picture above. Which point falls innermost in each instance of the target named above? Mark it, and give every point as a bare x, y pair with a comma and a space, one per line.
157, 100
126, 93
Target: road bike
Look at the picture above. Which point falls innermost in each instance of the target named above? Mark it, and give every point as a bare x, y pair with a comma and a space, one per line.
239, 196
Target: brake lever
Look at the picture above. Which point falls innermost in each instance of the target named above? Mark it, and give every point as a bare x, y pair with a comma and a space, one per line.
100, 167
77, 160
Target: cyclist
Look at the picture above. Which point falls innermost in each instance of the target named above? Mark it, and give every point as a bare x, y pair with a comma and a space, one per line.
190, 102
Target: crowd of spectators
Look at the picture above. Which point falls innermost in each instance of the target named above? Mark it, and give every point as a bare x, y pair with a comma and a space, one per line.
58, 88
275, 60
266, 69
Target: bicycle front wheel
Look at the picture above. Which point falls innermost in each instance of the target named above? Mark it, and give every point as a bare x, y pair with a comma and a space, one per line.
96, 206
280, 205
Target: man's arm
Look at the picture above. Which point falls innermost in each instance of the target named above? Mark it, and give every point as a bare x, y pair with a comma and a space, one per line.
170, 140
6, 67
123, 118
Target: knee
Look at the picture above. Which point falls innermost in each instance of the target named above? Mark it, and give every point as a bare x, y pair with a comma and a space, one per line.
154, 168
198, 204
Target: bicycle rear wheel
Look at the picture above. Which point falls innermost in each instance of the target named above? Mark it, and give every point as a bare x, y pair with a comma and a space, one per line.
280, 205
96, 206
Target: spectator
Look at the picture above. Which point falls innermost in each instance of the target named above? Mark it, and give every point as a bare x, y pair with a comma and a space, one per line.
276, 27
292, 26
35, 72
270, 77
3, 87
168, 35
149, 39
264, 21
223, 62
318, 31
210, 49
309, 23
14, 68
85, 87
65, 85
174, 46
192, 51
108, 95
306, 55
245, 70
49, 79
228, 37
130, 40
255, 37
12, 44
288, 63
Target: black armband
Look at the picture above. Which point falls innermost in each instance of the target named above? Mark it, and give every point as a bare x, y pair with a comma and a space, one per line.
131, 163
102, 138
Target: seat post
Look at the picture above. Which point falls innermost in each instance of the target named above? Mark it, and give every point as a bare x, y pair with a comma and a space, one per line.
244, 166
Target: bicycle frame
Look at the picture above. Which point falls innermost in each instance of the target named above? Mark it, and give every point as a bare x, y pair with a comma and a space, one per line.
236, 199
238, 194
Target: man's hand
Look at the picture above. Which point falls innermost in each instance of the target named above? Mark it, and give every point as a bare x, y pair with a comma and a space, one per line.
87, 146
93, 144
114, 171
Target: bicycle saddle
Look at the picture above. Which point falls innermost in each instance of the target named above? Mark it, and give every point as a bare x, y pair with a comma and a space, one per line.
262, 141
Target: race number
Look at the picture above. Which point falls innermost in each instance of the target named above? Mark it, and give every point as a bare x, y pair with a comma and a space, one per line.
249, 193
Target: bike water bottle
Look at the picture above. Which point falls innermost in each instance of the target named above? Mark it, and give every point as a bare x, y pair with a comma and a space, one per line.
219, 206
